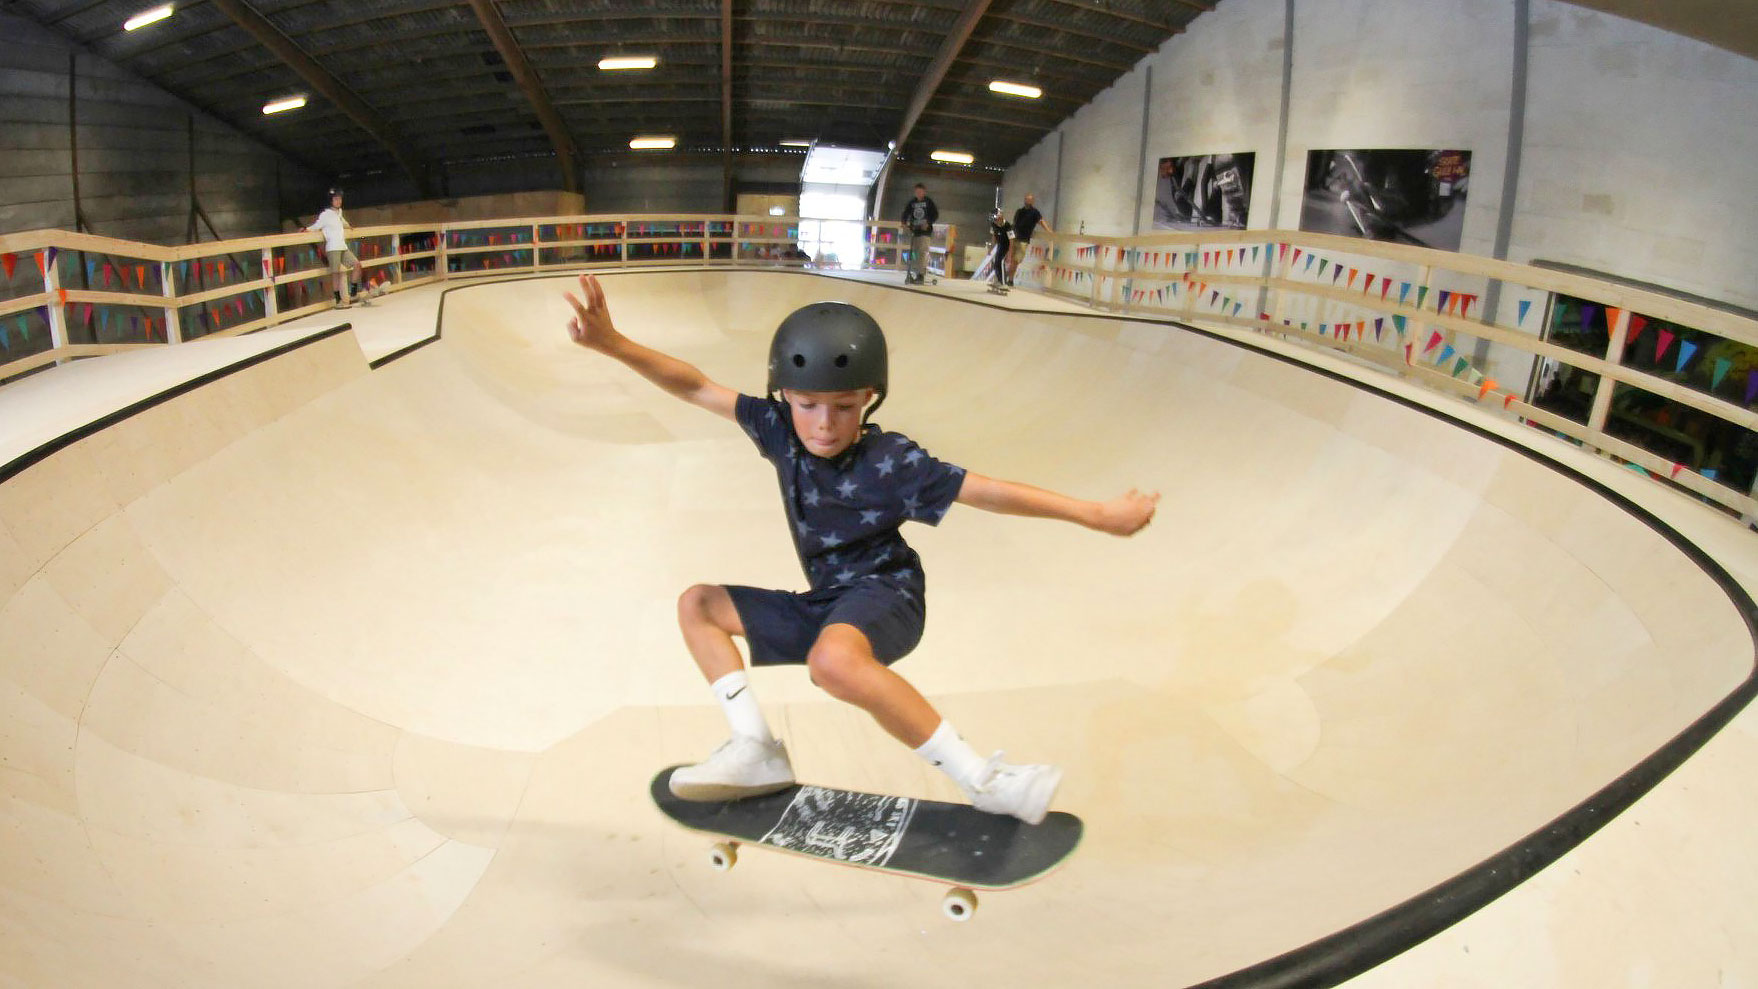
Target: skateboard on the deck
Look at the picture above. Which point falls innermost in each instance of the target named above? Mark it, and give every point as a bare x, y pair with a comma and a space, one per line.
996, 288
955, 844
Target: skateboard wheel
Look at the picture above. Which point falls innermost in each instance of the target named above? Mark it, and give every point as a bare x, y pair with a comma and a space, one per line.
959, 904
723, 856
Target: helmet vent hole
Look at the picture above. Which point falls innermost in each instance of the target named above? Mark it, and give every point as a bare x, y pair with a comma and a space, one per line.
842, 360
799, 360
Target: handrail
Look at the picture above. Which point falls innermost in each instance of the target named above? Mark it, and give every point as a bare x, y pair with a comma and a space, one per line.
159, 295
1262, 280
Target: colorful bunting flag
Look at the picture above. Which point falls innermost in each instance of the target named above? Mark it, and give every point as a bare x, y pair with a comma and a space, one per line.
1722, 367
1751, 385
1663, 340
1525, 307
10, 261
1686, 349
1352, 274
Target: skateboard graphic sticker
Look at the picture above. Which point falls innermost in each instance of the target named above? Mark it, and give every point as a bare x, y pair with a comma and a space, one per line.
857, 828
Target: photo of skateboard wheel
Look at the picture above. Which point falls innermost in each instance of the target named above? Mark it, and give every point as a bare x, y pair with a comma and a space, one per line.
723, 856
959, 904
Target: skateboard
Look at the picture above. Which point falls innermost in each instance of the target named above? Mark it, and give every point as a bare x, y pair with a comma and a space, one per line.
996, 288
954, 844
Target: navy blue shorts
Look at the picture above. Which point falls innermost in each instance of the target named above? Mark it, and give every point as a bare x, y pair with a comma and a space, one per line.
781, 626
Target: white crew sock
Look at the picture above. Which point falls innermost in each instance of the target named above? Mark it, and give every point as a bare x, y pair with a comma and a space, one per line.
953, 755
740, 704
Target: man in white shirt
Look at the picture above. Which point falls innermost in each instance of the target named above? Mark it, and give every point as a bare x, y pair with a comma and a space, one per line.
333, 225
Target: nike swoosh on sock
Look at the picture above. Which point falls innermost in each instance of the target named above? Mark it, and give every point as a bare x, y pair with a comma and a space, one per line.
734, 694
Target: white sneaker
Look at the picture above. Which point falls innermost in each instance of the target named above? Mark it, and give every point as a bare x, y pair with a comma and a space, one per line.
1022, 791
741, 767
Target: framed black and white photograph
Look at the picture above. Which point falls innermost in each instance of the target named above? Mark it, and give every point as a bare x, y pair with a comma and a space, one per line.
1408, 196
1203, 192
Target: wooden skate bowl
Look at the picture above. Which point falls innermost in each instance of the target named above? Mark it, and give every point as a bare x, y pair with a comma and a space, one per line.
322, 675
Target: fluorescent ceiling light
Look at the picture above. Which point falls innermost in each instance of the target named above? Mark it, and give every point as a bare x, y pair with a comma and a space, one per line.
146, 17
796, 144
957, 157
615, 62
777, 211
653, 143
290, 103
1015, 89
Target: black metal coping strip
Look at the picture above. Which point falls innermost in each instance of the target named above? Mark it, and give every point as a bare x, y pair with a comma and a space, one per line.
1337, 957
25, 461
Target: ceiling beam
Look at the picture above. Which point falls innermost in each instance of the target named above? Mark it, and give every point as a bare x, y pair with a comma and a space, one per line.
332, 89
949, 49
532, 86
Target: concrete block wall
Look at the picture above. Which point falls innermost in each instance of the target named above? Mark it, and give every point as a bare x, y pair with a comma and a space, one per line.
1641, 155
133, 151
1637, 152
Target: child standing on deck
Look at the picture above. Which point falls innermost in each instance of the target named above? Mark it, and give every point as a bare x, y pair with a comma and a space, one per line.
847, 486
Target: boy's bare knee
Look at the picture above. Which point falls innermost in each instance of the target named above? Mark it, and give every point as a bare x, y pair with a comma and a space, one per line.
837, 666
694, 605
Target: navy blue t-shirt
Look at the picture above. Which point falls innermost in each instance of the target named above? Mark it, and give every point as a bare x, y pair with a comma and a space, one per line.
844, 513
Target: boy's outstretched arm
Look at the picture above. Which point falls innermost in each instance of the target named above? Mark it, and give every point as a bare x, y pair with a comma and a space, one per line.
1124, 515
591, 328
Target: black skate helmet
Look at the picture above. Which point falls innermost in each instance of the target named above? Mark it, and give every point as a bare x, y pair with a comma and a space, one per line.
828, 346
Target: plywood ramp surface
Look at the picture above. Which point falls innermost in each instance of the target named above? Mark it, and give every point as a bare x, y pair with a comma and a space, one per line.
319, 676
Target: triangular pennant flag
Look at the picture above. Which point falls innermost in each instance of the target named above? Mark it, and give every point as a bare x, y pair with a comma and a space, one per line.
1352, 274
1489, 385
1676, 469
1507, 401
1409, 353
1238, 306
1296, 259
42, 264
1637, 325
1379, 326
53, 252
1385, 286
1751, 385
1611, 319
1421, 295
1254, 250
1360, 328
1403, 292
1229, 256
1663, 341
1710, 472
1451, 303
1722, 366
1525, 307
10, 261
1322, 265
1322, 327
1465, 306
1587, 311
1399, 322
1686, 349
1309, 260
1460, 367
1367, 286
1433, 341
1281, 252
1336, 273
1447, 353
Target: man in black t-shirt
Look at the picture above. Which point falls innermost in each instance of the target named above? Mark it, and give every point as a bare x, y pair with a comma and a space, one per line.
1026, 220
919, 216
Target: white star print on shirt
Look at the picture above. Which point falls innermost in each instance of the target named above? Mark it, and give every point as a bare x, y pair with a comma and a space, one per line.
910, 504
830, 540
846, 576
805, 530
870, 518
847, 488
911, 457
885, 467
812, 497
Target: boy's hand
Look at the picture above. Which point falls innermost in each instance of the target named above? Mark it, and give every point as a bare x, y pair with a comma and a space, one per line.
591, 326
1127, 514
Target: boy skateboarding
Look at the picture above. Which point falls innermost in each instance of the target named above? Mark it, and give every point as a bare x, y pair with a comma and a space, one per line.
847, 487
